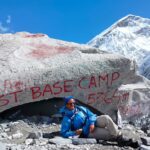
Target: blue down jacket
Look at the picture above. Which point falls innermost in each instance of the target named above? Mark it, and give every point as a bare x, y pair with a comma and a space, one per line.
76, 119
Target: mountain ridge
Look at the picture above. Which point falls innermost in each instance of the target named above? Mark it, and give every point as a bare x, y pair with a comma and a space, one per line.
129, 36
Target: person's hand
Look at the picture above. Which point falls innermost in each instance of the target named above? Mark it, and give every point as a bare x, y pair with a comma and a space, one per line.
79, 131
92, 127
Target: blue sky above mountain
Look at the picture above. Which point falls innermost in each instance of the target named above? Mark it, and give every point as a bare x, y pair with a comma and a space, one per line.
70, 20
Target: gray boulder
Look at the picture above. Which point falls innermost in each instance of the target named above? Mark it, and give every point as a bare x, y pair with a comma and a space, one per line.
60, 141
82, 141
34, 67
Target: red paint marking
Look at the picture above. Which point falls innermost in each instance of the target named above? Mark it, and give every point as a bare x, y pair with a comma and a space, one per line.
92, 82
12, 85
47, 89
109, 78
58, 87
34, 35
117, 97
68, 86
36, 93
80, 85
130, 110
104, 78
91, 98
115, 76
105, 98
7, 85
44, 50
3, 101
18, 85
15, 95
40, 53
100, 96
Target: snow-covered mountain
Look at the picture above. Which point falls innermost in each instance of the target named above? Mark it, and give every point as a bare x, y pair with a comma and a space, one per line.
130, 36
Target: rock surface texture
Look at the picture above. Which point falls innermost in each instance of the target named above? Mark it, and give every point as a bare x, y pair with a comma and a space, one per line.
34, 67
49, 138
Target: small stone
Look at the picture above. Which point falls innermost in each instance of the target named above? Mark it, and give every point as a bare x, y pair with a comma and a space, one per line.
60, 141
144, 147
140, 131
8, 148
35, 135
17, 135
43, 143
4, 135
81, 141
4, 125
29, 142
146, 140
7, 130
148, 133
10, 137
14, 123
45, 125
54, 124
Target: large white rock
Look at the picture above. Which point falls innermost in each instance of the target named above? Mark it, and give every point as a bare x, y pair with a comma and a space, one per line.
34, 67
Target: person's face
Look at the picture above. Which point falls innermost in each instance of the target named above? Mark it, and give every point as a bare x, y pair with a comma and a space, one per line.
71, 104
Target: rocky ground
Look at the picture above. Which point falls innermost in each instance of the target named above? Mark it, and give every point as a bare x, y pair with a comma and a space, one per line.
36, 127
19, 132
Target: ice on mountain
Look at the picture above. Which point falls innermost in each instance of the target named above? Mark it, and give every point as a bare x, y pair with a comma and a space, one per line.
130, 36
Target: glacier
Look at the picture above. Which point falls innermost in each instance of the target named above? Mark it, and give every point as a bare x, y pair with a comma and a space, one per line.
130, 36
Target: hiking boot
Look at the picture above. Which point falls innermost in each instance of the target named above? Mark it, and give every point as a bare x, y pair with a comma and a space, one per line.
126, 141
123, 141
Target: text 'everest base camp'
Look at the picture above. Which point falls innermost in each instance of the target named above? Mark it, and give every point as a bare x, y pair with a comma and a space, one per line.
35, 67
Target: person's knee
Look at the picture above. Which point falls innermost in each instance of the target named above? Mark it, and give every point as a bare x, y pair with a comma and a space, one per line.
103, 120
107, 117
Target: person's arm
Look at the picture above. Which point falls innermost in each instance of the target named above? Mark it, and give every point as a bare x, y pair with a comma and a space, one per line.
66, 128
91, 116
92, 119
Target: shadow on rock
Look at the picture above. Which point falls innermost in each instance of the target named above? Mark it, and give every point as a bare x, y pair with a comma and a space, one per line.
51, 135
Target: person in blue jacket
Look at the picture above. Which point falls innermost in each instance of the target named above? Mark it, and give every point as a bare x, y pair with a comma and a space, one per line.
80, 121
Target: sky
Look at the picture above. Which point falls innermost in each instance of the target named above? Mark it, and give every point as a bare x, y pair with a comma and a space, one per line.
70, 20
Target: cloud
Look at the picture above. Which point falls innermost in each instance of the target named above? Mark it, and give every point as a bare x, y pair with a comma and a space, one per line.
8, 20
3, 29
5, 25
